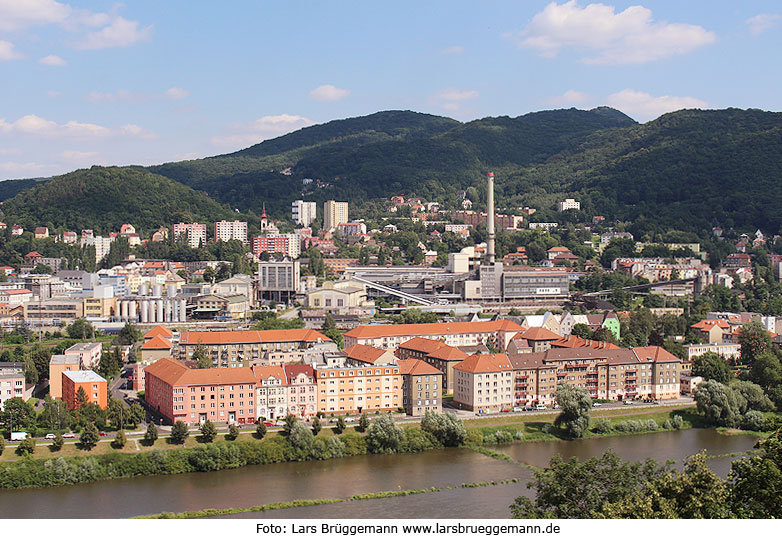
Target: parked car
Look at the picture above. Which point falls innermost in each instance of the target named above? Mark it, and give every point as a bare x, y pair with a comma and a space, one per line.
101, 433
518, 409
69, 435
628, 403
596, 404
50, 436
540, 406
268, 424
505, 410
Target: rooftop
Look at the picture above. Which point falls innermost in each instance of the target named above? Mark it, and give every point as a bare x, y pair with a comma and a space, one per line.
398, 330
81, 377
251, 336
175, 373
62, 359
84, 347
416, 367
483, 363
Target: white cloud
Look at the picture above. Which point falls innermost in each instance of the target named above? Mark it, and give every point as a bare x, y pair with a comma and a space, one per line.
18, 14
41, 127
263, 128
75, 155
176, 93
12, 168
601, 36
760, 23
7, 52
52, 60
644, 106
571, 97
454, 94
327, 92
120, 33
456, 49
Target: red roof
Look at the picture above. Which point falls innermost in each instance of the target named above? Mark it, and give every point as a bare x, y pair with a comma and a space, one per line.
706, 325
538, 334
157, 343
33, 254
416, 367
17, 291
364, 353
572, 341
292, 370
251, 336
175, 373
159, 331
483, 363
399, 330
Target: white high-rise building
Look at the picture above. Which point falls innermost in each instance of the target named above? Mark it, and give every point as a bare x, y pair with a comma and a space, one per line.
569, 204
231, 230
102, 245
334, 213
196, 233
303, 212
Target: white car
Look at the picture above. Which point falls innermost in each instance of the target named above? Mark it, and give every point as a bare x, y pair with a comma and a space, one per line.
69, 435
50, 436
596, 404
540, 406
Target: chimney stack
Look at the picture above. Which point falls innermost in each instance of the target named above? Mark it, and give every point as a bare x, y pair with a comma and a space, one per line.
490, 220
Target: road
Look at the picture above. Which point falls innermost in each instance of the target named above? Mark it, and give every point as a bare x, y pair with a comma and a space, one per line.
290, 315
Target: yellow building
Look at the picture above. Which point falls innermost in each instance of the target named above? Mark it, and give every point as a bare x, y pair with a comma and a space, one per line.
338, 296
99, 307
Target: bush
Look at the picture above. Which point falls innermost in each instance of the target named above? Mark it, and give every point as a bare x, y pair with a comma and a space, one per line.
668, 425
340, 427
753, 420
26, 447
363, 423
335, 447
179, 432
677, 422
208, 432
446, 428
498, 437
260, 431
58, 442
474, 437
316, 426
233, 432
355, 444
518, 435
773, 423
416, 440
2, 444
301, 439
651, 424
384, 436
602, 426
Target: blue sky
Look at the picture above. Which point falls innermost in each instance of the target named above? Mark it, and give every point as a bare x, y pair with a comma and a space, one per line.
146, 82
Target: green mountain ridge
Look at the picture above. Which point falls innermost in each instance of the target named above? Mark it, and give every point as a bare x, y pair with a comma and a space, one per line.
680, 171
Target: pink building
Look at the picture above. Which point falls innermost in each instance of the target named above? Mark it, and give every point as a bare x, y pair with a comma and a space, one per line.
88, 353
271, 401
195, 233
179, 393
11, 385
302, 390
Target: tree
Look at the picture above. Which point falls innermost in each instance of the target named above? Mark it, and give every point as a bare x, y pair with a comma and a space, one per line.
55, 414
120, 440
179, 432
363, 423
80, 329
711, 366
447, 428
754, 340
26, 447
316, 426
17, 414
2, 440
574, 489
58, 442
129, 334
384, 436
766, 370
135, 415
151, 435
581, 330
340, 427
208, 432
209, 274
233, 432
336, 336
89, 437
260, 431
290, 420
30, 371
576, 405
201, 357
753, 394
81, 399
301, 438
756, 482
722, 406
110, 363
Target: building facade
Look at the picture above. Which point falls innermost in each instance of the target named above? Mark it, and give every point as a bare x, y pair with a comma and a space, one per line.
231, 230
304, 213
95, 388
334, 213
195, 233
357, 389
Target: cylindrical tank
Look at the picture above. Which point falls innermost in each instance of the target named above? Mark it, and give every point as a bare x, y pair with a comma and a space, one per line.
152, 311
171, 291
159, 303
157, 290
144, 311
182, 312
143, 289
132, 311
123, 310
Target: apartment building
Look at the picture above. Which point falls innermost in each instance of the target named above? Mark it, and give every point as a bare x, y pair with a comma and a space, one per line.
94, 385
195, 233
422, 387
495, 332
271, 392
231, 230
11, 385
484, 382
356, 389
304, 213
88, 353
247, 348
58, 364
179, 393
302, 390
334, 213
439, 355
726, 350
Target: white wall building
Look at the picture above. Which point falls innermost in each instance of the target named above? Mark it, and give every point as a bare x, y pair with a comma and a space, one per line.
231, 230
196, 233
569, 204
304, 213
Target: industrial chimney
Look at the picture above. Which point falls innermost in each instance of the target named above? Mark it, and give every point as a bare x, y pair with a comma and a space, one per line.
490, 220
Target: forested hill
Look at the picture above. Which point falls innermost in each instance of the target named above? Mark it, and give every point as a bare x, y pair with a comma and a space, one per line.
104, 198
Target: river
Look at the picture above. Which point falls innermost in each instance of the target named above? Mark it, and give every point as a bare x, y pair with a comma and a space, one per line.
341, 478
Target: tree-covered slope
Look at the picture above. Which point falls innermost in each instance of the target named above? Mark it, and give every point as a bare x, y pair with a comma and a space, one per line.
10, 188
103, 198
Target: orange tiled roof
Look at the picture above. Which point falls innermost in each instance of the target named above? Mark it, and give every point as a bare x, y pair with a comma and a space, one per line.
251, 336
264, 373
157, 343
482, 363
398, 330
364, 353
159, 331
573, 341
292, 370
175, 373
416, 367
706, 325
420, 344
537, 334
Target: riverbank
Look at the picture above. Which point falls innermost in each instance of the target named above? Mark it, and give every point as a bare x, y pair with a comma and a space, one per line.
164, 458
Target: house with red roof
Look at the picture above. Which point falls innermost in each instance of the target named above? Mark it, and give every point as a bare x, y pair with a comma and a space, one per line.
41, 232
484, 382
422, 387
